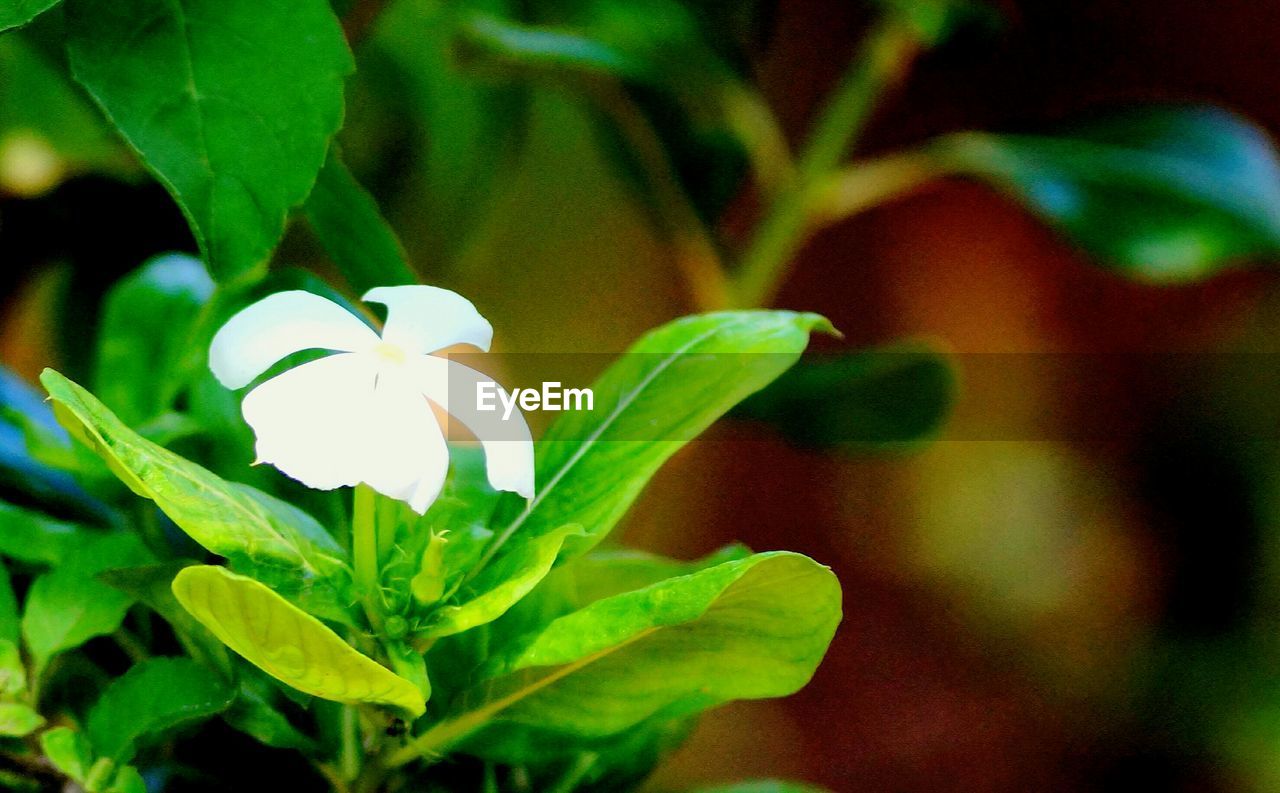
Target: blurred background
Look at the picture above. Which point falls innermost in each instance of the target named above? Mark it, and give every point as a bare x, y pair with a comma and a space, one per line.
1074, 584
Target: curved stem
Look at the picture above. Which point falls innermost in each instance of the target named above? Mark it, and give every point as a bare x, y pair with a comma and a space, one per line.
886, 54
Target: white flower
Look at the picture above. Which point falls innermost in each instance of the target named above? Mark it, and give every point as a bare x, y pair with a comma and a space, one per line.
362, 414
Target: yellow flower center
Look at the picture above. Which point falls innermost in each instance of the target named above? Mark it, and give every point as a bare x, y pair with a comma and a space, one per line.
389, 352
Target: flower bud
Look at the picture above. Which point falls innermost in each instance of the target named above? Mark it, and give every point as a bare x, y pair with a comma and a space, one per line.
428, 585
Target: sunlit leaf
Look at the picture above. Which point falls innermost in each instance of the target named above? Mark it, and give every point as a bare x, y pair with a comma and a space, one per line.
286, 642
667, 388
501, 585
226, 518
17, 720
68, 751
1162, 194
231, 103
13, 675
155, 695
745, 629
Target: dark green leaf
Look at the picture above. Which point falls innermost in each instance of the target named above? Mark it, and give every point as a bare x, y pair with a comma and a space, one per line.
670, 386
147, 336
254, 716
15, 13
151, 585
887, 396
10, 629
155, 695
1162, 194
352, 230
69, 605
231, 103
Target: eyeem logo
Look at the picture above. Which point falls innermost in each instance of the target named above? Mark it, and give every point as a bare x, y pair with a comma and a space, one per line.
550, 397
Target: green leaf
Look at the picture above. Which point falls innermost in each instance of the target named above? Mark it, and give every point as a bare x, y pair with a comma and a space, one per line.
151, 585
231, 103
1163, 194
35, 537
17, 720
888, 396
146, 338
28, 431
226, 518
154, 696
670, 386
43, 109
16, 13
501, 585
745, 629
9, 625
68, 751
13, 675
352, 230
127, 780
286, 642
69, 605
254, 716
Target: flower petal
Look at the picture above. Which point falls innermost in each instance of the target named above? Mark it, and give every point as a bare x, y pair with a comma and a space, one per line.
309, 421
411, 458
508, 444
279, 325
423, 319
342, 420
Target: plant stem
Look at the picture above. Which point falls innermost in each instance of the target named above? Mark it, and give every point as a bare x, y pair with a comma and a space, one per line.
575, 773
869, 183
364, 551
695, 252
350, 743
883, 60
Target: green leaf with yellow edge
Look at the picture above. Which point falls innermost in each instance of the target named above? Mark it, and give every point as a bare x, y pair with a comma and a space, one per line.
228, 519
230, 103
287, 643
17, 720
